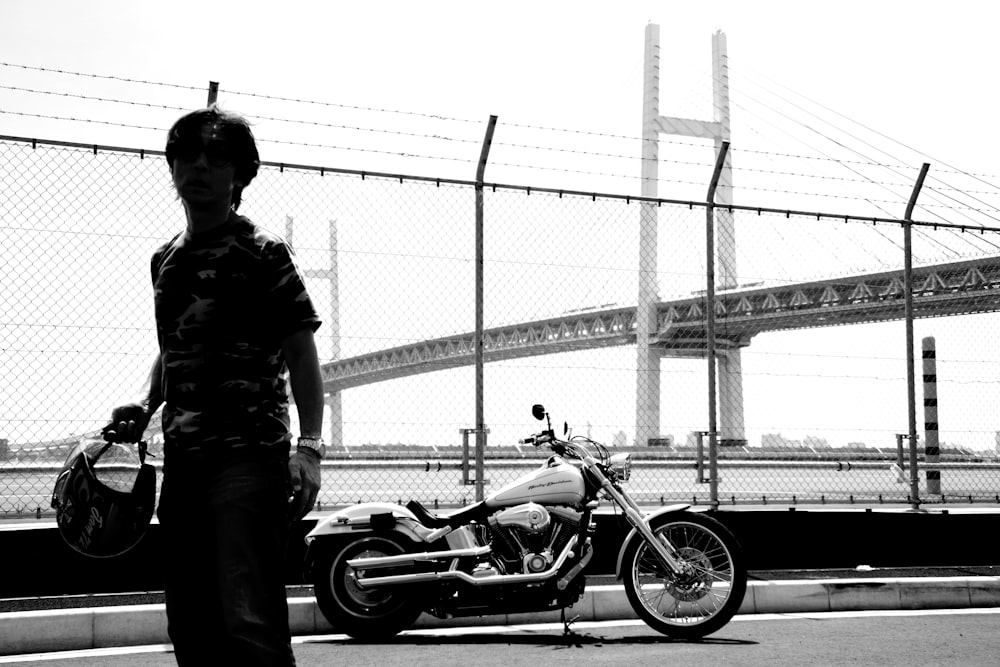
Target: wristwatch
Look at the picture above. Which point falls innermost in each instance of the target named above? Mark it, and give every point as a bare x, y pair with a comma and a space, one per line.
312, 444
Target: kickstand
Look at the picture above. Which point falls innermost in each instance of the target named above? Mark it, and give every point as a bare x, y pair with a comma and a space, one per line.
566, 624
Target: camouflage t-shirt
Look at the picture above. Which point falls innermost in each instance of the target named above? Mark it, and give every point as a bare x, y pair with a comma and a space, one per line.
225, 299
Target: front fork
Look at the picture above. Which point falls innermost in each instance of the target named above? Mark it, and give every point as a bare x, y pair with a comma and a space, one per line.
664, 550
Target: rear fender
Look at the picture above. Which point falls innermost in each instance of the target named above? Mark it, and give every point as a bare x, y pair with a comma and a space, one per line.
368, 518
634, 534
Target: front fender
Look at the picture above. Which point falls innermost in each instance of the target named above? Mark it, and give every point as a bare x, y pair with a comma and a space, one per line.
667, 509
369, 517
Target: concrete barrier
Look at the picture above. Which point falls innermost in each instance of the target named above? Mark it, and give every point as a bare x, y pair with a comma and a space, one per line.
134, 625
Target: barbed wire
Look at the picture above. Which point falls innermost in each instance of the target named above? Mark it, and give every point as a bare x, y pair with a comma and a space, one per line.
822, 158
114, 352
47, 325
81, 120
262, 139
124, 79
110, 77
78, 232
303, 144
315, 124
471, 161
384, 110
594, 195
254, 116
462, 140
94, 98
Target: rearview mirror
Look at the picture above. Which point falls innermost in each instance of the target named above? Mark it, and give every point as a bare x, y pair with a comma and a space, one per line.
538, 411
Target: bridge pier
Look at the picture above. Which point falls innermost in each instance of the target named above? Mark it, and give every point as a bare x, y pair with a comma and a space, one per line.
332, 324
647, 411
731, 426
729, 365
729, 362
335, 417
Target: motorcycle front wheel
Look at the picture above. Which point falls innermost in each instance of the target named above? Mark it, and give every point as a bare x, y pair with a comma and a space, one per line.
362, 613
699, 601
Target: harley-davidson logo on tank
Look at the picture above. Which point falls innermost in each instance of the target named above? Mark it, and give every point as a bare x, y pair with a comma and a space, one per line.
555, 483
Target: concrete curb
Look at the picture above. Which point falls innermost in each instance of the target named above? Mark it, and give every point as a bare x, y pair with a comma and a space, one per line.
132, 625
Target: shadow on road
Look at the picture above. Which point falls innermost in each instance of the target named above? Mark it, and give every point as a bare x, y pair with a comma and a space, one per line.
528, 638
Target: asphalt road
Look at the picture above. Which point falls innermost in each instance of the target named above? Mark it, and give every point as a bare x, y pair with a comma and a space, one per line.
906, 638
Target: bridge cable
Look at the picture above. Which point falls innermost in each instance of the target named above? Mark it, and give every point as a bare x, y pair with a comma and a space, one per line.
871, 146
933, 240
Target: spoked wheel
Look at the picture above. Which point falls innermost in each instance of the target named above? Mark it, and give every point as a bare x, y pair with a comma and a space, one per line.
358, 612
705, 596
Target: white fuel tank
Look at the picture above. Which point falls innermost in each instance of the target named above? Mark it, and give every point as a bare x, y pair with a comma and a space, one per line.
555, 483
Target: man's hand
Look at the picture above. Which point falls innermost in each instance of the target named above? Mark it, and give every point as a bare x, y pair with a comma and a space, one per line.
304, 473
128, 423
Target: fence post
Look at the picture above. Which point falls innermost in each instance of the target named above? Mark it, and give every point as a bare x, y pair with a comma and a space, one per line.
713, 427
899, 465
213, 92
700, 461
480, 418
465, 454
908, 311
932, 451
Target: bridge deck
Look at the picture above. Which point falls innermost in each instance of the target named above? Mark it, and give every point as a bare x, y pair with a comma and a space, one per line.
955, 288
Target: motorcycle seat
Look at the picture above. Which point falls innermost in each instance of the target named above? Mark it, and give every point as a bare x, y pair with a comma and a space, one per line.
434, 520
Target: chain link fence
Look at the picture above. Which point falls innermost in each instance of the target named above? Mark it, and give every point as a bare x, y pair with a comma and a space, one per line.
810, 333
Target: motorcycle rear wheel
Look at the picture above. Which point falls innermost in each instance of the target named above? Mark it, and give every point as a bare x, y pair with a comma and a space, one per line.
362, 613
696, 604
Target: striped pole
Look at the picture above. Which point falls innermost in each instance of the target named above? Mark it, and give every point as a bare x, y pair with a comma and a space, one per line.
932, 452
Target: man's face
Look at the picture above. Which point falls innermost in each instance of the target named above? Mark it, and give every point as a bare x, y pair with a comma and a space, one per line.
202, 172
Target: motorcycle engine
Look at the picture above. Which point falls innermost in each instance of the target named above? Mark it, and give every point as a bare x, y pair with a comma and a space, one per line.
528, 537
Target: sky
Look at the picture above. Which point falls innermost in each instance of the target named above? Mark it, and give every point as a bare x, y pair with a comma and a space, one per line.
404, 87
908, 69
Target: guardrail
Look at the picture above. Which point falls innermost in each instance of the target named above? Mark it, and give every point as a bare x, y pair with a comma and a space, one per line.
442, 481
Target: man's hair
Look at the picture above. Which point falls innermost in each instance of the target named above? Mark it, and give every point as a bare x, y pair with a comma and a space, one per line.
234, 129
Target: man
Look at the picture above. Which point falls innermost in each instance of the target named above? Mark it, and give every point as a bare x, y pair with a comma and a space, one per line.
232, 313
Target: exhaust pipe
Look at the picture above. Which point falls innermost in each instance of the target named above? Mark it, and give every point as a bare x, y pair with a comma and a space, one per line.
413, 558
451, 574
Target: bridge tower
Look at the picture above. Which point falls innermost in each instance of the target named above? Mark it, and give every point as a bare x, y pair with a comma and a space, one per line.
334, 412
731, 424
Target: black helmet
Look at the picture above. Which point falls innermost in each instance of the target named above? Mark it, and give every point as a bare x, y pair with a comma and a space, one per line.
103, 511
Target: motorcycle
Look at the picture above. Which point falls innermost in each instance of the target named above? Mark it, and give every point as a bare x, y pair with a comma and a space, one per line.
375, 567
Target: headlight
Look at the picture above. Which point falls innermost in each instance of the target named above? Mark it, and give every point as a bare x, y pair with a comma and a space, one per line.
621, 465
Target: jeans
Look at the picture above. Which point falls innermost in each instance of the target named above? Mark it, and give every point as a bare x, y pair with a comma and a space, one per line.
224, 521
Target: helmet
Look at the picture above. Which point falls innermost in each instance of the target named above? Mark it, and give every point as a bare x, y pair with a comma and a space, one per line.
104, 510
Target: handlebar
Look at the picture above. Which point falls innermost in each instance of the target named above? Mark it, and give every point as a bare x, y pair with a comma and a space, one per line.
539, 439
575, 449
